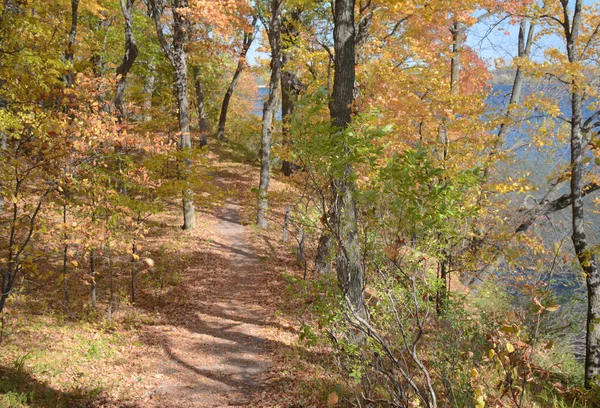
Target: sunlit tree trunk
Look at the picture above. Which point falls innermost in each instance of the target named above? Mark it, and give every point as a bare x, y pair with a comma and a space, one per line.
149, 85
178, 58
585, 254
269, 112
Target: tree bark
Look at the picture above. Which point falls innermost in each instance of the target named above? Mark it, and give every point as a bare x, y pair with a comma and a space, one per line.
325, 253
131, 52
290, 88
69, 78
93, 275
178, 58
523, 51
274, 34
132, 283
149, 81
248, 39
110, 285
349, 267
585, 254
202, 116
65, 256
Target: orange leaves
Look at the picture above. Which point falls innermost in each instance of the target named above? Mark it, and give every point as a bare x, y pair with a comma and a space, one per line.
222, 15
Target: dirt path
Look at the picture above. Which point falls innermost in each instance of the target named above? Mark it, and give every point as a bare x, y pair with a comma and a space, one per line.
216, 356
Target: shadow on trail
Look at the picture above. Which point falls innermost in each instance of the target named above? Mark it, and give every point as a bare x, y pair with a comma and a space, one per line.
20, 388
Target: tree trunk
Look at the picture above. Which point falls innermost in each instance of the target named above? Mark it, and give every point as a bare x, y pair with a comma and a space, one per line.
69, 78
290, 87
585, 254
286, 224
274, 33
524, 49
133, 274
325, 253
110, 285
149, 81
65, 257
178, 58
93, 275
202, 116
131, 52
185, 141
349, 267
248, 39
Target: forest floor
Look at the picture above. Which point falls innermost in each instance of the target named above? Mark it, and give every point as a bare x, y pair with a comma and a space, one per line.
209, 327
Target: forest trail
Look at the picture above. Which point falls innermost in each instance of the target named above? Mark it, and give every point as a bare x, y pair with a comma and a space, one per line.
217, 344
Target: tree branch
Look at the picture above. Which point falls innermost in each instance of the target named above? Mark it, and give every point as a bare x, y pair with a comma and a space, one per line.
549, 207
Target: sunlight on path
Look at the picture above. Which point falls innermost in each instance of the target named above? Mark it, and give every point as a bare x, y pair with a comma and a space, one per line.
217, 358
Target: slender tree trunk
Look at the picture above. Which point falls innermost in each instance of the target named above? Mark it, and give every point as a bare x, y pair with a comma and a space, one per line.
202, 116
131, 52
274, 33
178, 58
524, 50
133, 273
69, 78
149, 81
286, 224
185, 141
585, 254
110, 284
248, 39
457, 44
65, 258
349, 266
93, 275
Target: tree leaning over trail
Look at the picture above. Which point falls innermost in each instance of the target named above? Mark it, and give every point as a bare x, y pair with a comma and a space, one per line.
274, 33
178, 58
349, 267
247, 42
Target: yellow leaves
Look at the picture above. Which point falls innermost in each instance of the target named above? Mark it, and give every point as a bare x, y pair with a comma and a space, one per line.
510, 348
520, 185
550, 308
479, 398
491, 353
414, 403
94, 7
509, 329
